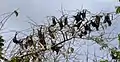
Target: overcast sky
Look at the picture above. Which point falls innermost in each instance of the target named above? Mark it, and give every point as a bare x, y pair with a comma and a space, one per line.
39, 9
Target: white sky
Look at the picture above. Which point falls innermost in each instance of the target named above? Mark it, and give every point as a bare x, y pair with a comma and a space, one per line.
39, 9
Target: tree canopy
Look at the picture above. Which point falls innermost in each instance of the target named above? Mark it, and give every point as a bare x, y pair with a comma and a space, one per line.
62, 38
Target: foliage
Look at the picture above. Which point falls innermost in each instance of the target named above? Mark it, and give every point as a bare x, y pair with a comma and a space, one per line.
1, 39
1, 49
118, 10
51, 39
119, 39
18, 59
104, 61
115, 54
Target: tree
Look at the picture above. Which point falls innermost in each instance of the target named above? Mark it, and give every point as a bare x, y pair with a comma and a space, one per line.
55, 41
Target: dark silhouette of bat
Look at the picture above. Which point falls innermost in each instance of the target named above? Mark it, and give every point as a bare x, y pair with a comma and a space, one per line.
66, 21
83, 14
78, 17
107, 20
54, 21
15, 39
61, 24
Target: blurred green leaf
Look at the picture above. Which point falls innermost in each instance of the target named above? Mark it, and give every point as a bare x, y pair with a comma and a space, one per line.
27, 59
72, 50
98, 40
103, 46
1, 40
104, 61
3, 58
115, 53
1, 44
118, 54
15, 59
118, 10
119, 39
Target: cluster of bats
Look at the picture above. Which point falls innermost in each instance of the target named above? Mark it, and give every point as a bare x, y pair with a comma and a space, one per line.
79, 18
29, 39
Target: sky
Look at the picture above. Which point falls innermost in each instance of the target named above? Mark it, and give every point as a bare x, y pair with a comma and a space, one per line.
39, 9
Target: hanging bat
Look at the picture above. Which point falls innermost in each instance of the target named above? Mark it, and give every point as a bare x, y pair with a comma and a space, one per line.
16, 13
94, 25
30, 40
66, 21
83, 14
78, 17
78, 25
51, 33
54, 21
61, 24
15, 39
40, 32
56, 48
87, 27
42, 41
107, 20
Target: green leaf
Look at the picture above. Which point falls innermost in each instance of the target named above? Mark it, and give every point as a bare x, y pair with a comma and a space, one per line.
27, 59
1, 44
15, 59
1, 49
103, 46
3, 58
72, 50
118, 54
118, 10
1, 40
104, 61
119, 39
